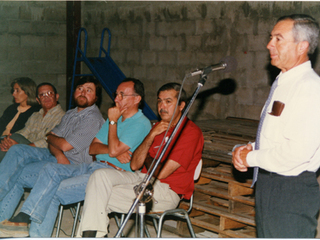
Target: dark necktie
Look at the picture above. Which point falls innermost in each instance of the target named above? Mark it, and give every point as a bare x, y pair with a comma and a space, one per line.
263, 115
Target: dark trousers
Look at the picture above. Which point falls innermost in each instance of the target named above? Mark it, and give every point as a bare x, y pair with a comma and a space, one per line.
287, 207
18, 138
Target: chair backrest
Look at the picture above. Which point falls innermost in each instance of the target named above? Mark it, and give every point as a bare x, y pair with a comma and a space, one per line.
197, 171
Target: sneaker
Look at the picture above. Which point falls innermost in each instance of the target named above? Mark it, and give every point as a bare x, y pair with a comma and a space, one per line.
13, 229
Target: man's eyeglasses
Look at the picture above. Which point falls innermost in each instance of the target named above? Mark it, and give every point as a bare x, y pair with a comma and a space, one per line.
46, 94
121, 95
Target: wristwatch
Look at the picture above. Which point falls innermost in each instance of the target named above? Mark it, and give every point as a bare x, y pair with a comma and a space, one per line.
112, 122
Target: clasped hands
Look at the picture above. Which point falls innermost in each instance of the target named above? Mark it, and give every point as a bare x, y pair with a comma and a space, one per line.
6, 143
239, 157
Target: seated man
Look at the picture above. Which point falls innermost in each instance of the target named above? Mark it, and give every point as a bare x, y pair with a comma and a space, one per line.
119, 136
40, 123
68, 143
109, 190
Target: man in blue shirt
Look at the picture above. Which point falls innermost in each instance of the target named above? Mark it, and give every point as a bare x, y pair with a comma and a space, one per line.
122, 133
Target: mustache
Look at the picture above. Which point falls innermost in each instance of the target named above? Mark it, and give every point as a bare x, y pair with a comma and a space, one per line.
163, 111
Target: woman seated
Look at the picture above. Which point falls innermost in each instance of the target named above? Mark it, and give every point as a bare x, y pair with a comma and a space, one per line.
25, 103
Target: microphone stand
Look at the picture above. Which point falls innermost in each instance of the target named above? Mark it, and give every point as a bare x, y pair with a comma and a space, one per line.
141, 188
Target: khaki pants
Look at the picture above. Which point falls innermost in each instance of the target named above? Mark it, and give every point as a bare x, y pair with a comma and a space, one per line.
110, 190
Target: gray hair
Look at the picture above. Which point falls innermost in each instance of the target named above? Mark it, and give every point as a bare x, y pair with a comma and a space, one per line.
305, 28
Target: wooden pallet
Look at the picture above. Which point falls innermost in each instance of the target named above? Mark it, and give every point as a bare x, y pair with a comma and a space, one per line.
224, 205
220, 136
223, 199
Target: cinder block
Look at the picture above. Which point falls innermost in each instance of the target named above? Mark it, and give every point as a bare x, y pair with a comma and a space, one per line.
148, 57
20, 54
204, 26
10, 67
45, 54
167, 58
157, 43
139, 72
125, 42
193, 43
176, 43
186, 58
9, 40
245, 96
134, 29
32, 41
133, 57
30, 67
156, 72
54, 14
3, 26
9, 12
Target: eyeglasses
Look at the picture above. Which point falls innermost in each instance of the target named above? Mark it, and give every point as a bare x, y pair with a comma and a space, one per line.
121, 95
46, 94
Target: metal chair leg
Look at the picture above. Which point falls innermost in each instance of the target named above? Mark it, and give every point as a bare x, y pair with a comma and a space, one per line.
76, 218
59, 221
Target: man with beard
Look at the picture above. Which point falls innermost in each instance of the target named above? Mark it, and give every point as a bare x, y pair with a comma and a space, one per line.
68, 143
109, 190
120, 135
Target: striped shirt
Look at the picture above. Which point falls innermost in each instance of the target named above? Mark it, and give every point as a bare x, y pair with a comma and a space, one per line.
38, 126
79, 129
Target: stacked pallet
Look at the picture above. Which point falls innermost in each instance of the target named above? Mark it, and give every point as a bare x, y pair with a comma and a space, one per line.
224, 201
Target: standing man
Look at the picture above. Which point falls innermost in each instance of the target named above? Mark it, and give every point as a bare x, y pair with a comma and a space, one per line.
40, 123
122, 133
287, 148
68, 143
109, 190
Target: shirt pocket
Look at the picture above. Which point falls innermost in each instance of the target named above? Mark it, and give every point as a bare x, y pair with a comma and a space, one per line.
272, 128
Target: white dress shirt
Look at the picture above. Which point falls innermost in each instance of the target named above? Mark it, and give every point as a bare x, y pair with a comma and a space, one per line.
290, 143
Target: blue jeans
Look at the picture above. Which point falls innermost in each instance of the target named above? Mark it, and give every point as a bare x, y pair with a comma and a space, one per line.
59, 184
27, 179
14, 162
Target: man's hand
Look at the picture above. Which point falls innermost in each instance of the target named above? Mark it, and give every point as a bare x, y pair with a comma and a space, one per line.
6, 143
158, 129
125, 157
239, 157
114, 113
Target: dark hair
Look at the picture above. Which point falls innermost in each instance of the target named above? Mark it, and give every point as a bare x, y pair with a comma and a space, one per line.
45, 84
138, 88
29, 87
176, 87
305, 28
91, 79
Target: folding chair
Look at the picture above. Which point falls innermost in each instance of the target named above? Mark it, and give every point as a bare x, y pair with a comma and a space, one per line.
177, 212
75, 214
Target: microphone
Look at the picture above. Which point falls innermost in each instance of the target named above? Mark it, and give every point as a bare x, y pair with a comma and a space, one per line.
226, 64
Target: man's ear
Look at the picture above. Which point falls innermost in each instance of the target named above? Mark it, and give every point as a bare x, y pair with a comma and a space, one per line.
57, 96
38, 100
303, 47
137, 99
182, 105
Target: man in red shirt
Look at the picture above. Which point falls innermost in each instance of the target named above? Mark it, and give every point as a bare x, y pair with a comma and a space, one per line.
110, 190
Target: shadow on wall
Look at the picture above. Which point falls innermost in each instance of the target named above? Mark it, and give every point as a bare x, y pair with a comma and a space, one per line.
225, 87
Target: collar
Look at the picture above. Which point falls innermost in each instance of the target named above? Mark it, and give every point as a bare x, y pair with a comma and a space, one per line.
52, 110
294, 73
86, 110
135, 116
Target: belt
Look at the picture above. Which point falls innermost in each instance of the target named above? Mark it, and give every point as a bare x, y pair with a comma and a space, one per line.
114, 166
262, 171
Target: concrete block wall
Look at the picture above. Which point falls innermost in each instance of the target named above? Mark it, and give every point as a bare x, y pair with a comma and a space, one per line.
32, 44
159, 42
